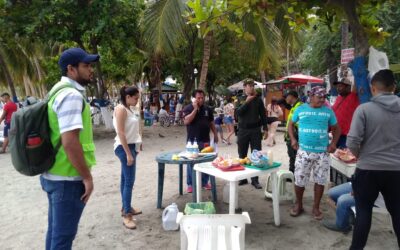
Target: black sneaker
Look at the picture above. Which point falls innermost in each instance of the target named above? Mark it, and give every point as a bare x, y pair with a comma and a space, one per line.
331, 225
256, 184
243, 182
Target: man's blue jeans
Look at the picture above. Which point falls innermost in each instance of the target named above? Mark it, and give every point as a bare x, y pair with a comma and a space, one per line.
344, 201
65, 210
189, 177
204, 177
128, 174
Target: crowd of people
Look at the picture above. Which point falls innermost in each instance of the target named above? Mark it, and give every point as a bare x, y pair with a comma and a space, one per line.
370, 131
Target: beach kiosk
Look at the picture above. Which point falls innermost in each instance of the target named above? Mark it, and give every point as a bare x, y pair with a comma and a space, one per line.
298, 82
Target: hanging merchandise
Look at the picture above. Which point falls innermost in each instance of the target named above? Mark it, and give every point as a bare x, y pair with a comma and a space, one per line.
377, 60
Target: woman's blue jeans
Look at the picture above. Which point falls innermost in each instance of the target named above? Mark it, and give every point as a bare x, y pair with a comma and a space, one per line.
344, 201
127, 176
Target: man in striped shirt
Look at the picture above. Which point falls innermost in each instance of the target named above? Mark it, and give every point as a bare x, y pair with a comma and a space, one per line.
69, 182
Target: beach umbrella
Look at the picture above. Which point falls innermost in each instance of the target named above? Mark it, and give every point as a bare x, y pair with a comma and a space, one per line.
239, 86
303, 78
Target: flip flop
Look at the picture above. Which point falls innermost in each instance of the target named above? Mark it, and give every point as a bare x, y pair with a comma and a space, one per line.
319, 217
295, 213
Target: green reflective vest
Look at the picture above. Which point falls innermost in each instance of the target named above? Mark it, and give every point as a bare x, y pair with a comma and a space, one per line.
291, 112
62, 166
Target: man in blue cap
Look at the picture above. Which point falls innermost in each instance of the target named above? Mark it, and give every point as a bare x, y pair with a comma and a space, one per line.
69, 183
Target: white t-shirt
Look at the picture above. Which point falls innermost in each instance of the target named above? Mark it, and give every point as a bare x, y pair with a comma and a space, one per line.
132, 128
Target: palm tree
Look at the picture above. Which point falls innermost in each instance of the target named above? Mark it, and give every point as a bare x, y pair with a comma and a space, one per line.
4, 70
163, 26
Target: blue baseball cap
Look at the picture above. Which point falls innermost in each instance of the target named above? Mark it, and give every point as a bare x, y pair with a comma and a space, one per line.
74, 56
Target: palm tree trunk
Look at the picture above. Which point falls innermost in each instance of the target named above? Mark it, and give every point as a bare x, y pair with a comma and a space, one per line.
100, 84
43, 91
188, 76
8, 77
155, 75
206, 59
26, 85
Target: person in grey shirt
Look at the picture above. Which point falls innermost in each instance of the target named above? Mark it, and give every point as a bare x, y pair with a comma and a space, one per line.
374, 138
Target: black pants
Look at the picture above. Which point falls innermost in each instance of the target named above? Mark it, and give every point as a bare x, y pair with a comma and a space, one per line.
246, 138
292, 155
366, 186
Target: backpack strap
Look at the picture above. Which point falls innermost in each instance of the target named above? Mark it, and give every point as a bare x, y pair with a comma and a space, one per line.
55, 91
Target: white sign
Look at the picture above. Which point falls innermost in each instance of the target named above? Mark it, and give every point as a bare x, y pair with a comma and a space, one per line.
347, 56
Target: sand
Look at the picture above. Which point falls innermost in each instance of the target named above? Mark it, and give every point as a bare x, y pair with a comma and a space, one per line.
23, 210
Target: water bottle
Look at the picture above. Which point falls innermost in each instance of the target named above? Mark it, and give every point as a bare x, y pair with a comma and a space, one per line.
195, 148
188, 147
169, 217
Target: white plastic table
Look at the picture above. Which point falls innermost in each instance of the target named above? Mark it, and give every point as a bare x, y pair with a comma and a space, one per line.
346, 169
233, 177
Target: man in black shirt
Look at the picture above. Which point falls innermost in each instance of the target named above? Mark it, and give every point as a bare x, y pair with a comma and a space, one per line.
251, 117
199, 120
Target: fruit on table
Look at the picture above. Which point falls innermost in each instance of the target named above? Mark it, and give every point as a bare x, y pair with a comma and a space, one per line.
224, 164
236, 162
175, 157
207, 150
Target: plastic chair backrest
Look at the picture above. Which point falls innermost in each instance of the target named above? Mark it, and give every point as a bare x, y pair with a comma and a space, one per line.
213, 231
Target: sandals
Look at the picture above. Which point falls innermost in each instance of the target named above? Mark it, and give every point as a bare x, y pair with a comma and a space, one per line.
296, 212
319, 216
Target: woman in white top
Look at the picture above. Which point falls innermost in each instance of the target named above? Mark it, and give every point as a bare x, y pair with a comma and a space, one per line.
273, 113
229, 110
126, 123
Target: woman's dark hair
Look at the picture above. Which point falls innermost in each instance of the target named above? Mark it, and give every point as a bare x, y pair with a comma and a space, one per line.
125, 91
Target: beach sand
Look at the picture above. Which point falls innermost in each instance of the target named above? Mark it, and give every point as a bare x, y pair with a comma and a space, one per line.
23, 208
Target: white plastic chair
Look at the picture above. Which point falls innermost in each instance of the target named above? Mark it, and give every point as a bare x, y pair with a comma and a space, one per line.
284, 193
213, 231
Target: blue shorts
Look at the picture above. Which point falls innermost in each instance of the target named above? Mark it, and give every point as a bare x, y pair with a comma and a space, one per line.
228, 120
218, 128
6, 129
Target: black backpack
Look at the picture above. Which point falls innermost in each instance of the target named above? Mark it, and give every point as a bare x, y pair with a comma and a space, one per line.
32, 152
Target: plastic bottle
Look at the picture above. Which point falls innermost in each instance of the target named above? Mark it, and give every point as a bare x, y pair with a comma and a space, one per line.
195, 148
188, 147
270, 158
169, 217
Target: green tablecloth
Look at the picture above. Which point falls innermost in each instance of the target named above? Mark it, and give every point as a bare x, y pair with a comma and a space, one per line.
274, 165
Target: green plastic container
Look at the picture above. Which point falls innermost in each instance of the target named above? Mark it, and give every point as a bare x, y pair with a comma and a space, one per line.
200, 208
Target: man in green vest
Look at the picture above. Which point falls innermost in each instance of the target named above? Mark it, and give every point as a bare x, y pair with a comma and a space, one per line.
292, 103
69, 182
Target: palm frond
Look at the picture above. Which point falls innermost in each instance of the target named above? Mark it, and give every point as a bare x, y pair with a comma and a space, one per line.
163, 25
267, 47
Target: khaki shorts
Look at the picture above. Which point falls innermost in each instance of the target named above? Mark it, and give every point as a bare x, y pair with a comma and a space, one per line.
306, 161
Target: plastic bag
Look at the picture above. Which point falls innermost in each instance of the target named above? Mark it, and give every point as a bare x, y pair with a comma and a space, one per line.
200, 208
377, 61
